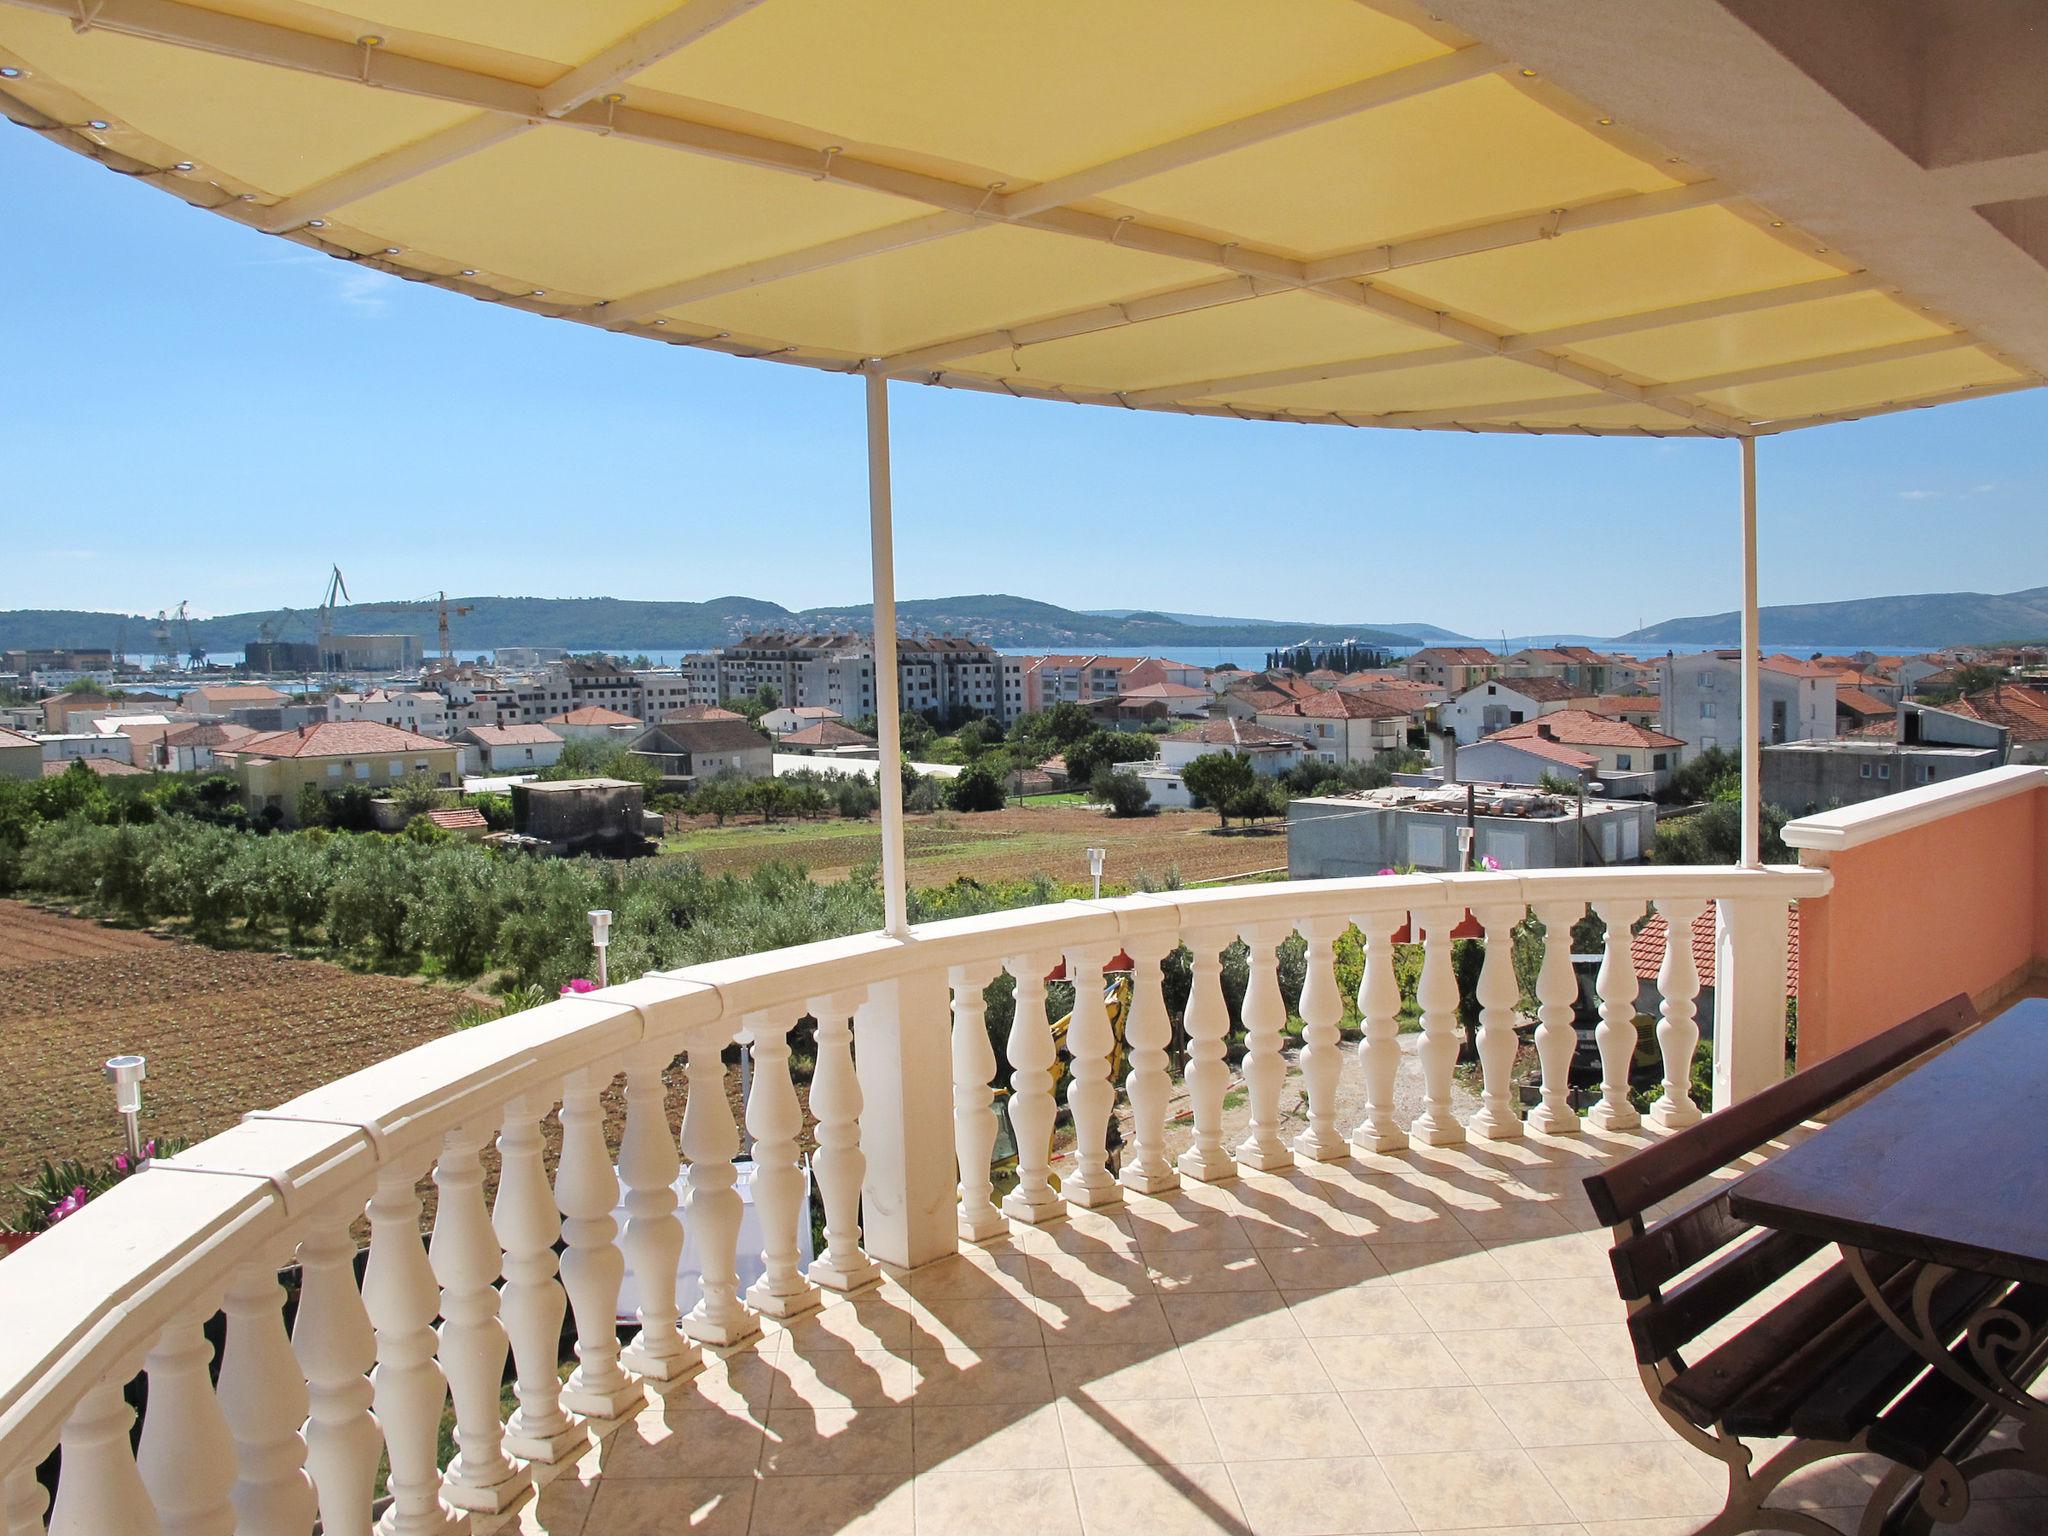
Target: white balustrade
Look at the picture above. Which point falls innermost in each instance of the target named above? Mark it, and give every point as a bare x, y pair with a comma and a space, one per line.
1379, 1046
1090, 1094
1616, 1035
187, 1456
1499, 1118
712, 1207
532, 1303
648, 1165
336, 1349
840, 1167
586, 1193
1149, 1085
22, 1502
974, 1115
775, 1120
1032, 1059
1557, 989
1437, 995
101, 1491
1322, 1059
1678, 1034
263, 1397
466, 1260
1265, 1069
402, 1299
1208, 1026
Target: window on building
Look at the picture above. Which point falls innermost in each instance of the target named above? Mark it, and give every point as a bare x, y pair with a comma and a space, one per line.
1884, 770
1866, 770
1706, 709
362, 770
1623, 762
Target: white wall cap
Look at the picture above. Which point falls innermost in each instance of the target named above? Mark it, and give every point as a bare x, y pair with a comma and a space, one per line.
1855, 825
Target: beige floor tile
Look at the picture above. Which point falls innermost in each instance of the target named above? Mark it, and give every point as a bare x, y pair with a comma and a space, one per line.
1354, 1309
844, 1506
1221, 1368
558, 1509
1608, 1346
1627, 1482
1413, 1420
1447, 1489
1374, 1362
1012, 1503
995, 1375
1314, 1497
745, 1379
1157, 1500
1280, 1427
838, 1442
687, 1442
703, 1506
1178, 1224
946, 1322
1055, 1276
1573, 1303
1079, 1231
1451, 1261
863, 1321
1476, 1304
1518, 1354
1209, 1269
1313, 1267
1556, 1256
1508, 1224
1116, 1434
843, 1378
1119, 1373
1283, 1213
972, 1273
1683, 1525
1229, 1315
1082, 1320
1571, 1413
987, 1438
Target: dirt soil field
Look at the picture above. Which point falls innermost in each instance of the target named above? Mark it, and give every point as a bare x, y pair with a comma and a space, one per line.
224, 1033
1012, 844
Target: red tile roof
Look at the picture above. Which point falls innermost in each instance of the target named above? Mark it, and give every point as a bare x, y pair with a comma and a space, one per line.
11, 738
1857, 702
594, 714
827, 733
338, 738
1583, 728
1456, 656
1626, 703
1544, 690
464, 818
699, 712
2021, 710
105, 767
1345, 705
209, 733
1646, 949
1556, 751
1235, 733
512, 735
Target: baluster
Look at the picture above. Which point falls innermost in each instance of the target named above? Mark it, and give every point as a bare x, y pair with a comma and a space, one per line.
1437, 994
712, 1205
1678, 1033
1147, 1032
1090, 1094
464, 1253
187, 1459
775, 1119
974, 1116
1322, 1062
1498, 1118
410, 1391
532, 1302
586, 1193
1616, 1035
1557, 988
1032, 1058
1265, 1069
263, 1396
839, 1165
1379, 1048
1208, 1023
648, 1165
336, 1349
99, 1490
22, 1503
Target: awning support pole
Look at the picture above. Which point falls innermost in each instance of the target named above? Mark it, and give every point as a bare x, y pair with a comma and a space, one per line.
1752, 671
888, 706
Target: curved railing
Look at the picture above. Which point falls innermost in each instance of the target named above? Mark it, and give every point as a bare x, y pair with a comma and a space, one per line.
290, 1426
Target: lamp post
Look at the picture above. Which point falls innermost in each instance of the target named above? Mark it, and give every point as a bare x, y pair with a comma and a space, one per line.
601, 939
1095, 858
126, 1074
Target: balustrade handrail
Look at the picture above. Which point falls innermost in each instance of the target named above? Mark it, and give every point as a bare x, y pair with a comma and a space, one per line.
1853, 826
84, 1299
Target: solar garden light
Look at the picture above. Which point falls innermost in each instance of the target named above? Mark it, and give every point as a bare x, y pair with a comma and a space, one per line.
1095, 858
126, 1074
601, 937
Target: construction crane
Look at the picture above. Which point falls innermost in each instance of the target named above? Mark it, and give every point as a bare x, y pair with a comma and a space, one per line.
195, 653
160, 639
441, 601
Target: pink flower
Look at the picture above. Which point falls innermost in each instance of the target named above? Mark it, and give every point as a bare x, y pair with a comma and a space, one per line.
120, 1162
69, 1205
1387, 871
580, 984
1487, 861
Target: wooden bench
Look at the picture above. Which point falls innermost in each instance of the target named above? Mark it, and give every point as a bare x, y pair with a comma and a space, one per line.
1819, 1366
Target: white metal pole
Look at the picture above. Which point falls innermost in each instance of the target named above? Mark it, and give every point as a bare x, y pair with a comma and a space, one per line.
888, 705
1752, 669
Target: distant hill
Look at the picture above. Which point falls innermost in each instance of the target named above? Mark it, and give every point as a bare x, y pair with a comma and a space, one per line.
1429, 634
616, 624
1923, 619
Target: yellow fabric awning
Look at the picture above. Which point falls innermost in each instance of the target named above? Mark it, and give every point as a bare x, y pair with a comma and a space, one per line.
1301, 210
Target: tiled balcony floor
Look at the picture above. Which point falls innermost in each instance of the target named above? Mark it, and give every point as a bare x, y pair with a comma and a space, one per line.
1419, 1342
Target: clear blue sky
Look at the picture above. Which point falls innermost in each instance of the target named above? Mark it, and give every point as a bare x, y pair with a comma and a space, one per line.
191, 410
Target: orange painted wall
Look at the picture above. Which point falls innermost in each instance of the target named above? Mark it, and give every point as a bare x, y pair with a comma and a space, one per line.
1957, 905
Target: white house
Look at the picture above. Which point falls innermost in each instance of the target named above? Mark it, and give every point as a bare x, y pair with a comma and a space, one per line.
63, 746
1270, 752
1577, 744
191, 748
1498, 703
1339, 727
595, 722
423, 713
1701, 699
502, 749
787, 719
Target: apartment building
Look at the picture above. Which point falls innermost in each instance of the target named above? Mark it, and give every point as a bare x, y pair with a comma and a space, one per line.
421, 711
947, 675
1067, 678
1454, 667
1495, 705
1342, 728
1701, 701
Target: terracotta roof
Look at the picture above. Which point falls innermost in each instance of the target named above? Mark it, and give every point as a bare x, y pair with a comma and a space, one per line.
1583, 728
236, 693
1646, 949
699, 712
1619, 703
1165, 691
805, 712
105, 767
512, 735
1456, 656
827, 733
1791, 666
1346, 705
2021, 710
1235, 733
465, 818
208, 733
10, 738
1537, 746
338, 738
691, 737
1544, 690
594, 714
1857, 702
